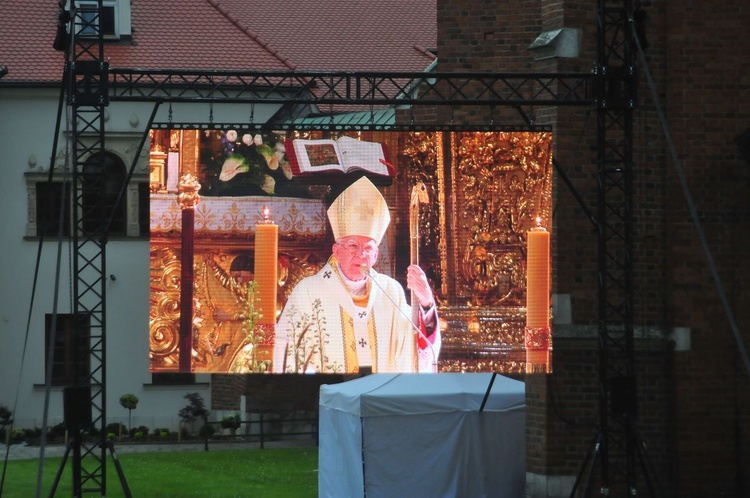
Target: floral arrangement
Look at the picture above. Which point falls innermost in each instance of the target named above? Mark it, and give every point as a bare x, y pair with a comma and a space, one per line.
249, 164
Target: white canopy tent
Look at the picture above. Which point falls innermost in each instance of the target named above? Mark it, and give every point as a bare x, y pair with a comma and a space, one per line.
388, 435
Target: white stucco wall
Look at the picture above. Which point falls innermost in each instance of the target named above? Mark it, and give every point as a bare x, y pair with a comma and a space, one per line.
27, 121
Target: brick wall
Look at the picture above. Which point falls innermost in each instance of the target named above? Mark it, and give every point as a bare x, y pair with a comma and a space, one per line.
693, 404
708, 104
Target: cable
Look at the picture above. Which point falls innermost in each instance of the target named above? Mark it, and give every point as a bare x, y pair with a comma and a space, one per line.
691, 204
35, 280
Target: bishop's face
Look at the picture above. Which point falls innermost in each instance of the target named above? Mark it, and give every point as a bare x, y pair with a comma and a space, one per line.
354, 251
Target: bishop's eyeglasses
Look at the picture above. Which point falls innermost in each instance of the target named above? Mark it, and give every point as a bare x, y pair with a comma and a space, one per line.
352, 248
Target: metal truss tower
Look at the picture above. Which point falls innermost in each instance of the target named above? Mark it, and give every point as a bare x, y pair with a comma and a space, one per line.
616, 98
91, 84
86, 90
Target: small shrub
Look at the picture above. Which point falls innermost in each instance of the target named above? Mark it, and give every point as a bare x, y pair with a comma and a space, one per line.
142, 429
17, 436
57, 431
194, 410
231, 421
117, 429
129, 402
5, 416
207, 430
32, 436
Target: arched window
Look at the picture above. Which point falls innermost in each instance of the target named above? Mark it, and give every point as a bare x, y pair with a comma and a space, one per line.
101, 183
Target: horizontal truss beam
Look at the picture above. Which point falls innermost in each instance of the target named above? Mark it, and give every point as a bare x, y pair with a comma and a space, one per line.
351, 88
323, 125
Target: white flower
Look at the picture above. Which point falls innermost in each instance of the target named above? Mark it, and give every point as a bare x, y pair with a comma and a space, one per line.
269, 185
287, 169
232, 136
231, 167
258, 139
247, 139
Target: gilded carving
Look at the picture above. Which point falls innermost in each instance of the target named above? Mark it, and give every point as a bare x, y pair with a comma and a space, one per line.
219, 342
503, 182
423, 154
490, 186
188, 187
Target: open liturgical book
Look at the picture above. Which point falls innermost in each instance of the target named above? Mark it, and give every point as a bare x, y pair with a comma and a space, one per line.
346, 154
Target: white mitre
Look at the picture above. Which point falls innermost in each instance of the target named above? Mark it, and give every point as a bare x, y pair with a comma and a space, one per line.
359, 210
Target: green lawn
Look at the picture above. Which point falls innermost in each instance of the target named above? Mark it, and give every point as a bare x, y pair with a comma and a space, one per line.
271, 473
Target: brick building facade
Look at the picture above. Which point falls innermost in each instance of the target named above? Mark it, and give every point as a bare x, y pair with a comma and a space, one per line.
692, 395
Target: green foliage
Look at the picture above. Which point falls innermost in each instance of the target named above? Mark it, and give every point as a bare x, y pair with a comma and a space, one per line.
207, 430
57, 431
17, 436
129, 401
5, 416
163, 433
196, 409
116, 428
142, 429
231, 421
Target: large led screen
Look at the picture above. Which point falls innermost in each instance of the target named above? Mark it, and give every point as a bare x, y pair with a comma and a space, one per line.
350, 252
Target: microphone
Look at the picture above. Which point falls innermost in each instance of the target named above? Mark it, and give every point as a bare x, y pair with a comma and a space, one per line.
365, 270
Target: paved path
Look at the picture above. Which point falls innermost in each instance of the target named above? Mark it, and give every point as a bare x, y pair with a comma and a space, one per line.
22, 451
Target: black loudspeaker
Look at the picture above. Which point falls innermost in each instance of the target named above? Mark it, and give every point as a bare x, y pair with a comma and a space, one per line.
623, 396
77, 407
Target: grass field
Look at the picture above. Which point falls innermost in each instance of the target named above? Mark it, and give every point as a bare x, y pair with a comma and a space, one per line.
271, 473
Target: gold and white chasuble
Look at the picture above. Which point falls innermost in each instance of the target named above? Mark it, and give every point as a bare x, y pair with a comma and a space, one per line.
322, 329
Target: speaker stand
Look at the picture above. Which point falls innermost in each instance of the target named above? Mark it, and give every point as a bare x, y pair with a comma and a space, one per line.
74, 445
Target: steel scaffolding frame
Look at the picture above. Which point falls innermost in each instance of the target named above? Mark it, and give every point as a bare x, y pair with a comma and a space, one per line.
91, 84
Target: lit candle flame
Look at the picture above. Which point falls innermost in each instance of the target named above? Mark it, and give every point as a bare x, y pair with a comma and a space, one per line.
539, 221
266, 214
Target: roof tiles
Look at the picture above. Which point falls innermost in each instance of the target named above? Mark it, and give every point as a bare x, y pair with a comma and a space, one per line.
335, 35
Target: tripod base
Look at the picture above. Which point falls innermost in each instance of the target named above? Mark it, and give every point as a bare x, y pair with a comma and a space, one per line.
593, 457
75, 446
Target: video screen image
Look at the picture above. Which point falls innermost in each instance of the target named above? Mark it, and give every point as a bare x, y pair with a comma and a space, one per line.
304, 252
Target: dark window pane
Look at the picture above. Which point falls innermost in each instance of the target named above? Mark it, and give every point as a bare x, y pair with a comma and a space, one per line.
71, 358
102, 181
48, 204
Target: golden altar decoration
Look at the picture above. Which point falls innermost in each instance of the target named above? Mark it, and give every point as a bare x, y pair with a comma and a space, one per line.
491, 187
224, 232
